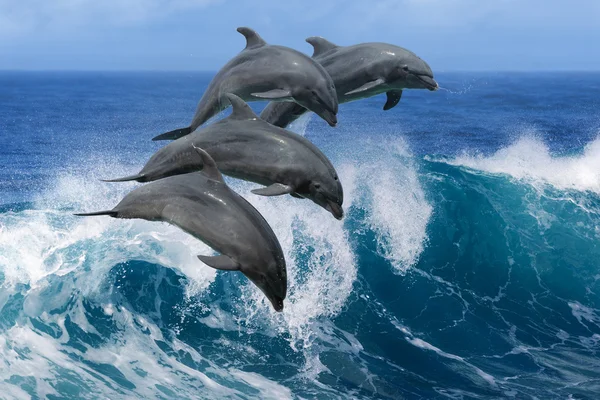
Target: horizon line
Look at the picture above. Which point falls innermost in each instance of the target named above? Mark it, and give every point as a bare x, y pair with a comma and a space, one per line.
215, 71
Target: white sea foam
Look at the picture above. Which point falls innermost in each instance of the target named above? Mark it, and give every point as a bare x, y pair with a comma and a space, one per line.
321, 267
39, 245
50, 240
269, 390
428, 346
397, 209
583, 313
529, 159
387, 188
144, 370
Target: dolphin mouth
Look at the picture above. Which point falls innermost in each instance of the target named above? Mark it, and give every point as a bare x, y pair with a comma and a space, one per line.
429, 82
335, 209
277, 303
330, 117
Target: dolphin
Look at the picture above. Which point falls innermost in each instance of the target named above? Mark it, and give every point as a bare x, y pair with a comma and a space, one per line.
358, 72
246, 147
201, 204
266, 72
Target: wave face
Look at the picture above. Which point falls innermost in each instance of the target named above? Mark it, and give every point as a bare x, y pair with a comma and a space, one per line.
468, 273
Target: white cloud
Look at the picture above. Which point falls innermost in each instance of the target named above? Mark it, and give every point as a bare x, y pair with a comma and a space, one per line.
352, 16
456, 33
457, 13
39, 16
435, 13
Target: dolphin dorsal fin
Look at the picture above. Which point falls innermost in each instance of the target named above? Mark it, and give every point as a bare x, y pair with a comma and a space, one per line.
241, 109
320, 45
253, 39
209, 166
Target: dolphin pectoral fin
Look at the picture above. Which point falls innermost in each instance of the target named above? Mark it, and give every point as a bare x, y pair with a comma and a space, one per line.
296, 195
393, 97
172, 135
221, 262
276, 189
138, 177
273, 94
366, 86
110, 213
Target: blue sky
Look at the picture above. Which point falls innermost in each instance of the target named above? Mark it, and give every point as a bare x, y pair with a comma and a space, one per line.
200, 34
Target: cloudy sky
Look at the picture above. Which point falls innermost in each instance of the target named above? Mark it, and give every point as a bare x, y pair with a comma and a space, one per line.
200, 34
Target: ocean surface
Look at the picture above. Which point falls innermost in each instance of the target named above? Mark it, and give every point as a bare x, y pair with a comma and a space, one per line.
467, 266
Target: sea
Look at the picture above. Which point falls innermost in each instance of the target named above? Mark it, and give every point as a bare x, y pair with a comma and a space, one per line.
467, 265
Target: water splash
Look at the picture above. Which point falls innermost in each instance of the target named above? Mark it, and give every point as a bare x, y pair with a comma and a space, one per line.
59, 263
530, 160
394, 201
300, 125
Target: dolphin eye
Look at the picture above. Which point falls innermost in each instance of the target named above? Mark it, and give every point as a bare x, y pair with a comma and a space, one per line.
317, 185
405, 68
335, 177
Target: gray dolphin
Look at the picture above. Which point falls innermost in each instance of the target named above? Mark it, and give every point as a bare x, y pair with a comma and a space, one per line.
361, 71
266, 72
201, 204
246, 147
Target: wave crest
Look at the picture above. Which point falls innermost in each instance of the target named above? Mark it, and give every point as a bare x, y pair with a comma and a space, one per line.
529, 159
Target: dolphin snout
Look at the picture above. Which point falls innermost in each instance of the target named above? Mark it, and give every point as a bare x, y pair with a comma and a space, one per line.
330, 117
335, 209
429, 82
277, 303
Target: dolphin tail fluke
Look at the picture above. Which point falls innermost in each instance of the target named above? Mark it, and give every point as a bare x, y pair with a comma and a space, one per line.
110, 213
138, 177
172, 135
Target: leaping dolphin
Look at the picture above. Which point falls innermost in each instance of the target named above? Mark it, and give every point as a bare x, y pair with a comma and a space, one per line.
246, 147
266, 72
201, 204
361, 71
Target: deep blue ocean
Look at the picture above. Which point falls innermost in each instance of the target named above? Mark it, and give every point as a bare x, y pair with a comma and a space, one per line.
467, 266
